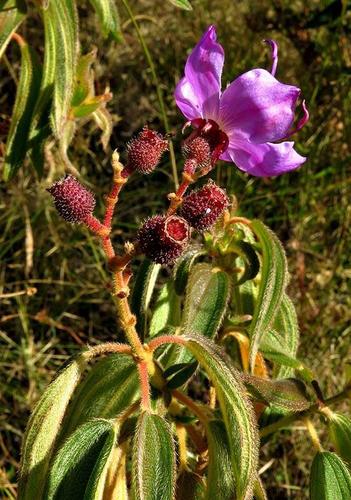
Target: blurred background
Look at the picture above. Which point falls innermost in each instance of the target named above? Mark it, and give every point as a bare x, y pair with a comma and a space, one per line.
54, 285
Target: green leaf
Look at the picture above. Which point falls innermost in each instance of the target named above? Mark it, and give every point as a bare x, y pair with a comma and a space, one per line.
236, 409
80, 466
111, 386
287, 394
330, 478
12, 13
166, 310
190, 486
108, 17
183, 4
153, 462
220, 479
43, 428
274, 348
249, 256
144, 285
183, 267
177, 375
64, 45
273, 281
286, 325
206, 300
340, 435
22, 115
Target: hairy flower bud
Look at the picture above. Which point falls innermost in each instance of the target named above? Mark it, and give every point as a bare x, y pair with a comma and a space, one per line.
162, 238
145, 151
197, 153
72, 200
202, 208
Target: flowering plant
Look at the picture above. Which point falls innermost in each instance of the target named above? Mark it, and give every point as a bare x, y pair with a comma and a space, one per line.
210, 365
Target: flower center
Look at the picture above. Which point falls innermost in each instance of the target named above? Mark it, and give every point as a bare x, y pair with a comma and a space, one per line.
210, 131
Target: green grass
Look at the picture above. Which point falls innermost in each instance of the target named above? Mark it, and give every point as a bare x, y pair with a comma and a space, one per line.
309, 209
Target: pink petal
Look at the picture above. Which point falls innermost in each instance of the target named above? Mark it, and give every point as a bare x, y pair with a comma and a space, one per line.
264, 160
258, 106
197, 94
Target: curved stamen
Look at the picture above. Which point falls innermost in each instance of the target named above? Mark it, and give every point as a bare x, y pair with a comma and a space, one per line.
303, 120
274, 48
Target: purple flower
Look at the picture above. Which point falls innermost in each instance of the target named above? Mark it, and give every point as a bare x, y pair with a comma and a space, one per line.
243, 122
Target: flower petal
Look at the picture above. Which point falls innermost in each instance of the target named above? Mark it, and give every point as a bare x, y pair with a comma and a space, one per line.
197, 94
258, 106
264, 160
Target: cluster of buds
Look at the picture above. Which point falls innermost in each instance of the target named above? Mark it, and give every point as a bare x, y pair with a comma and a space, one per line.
162, 238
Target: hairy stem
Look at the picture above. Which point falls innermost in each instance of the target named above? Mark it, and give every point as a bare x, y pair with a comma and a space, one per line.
145, 402
157, 85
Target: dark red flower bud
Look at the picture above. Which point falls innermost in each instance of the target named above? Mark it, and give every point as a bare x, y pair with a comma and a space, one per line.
72, 200
202, 208
145, 151
197, 153
162, 238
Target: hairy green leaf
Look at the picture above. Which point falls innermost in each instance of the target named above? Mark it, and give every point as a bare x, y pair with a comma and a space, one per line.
183, 267
22, 115
166, 310
330, 478
109, 388
64, 46
273, 281
286, 325
274, 348
287, 394
144, 285
108, 17
183, 4
237, 412
80, 466
340, 435
220, 478
177, 375
43, 428
12, 13
206, 300
249, 256
153, 462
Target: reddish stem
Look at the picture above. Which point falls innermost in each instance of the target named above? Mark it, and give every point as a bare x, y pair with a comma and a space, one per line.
165, 339
144, 386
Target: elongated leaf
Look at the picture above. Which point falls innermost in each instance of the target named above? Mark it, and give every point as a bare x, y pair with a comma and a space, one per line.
179, 374
153, 462
236, 409
206, 300
273, 281
252, 264
166, 311
220, 478
108, 17
22, 115
80, 466
142, 292
12, 13
286, 325
330, 478
275, 349
287, 394
64, 25
183, 4
340, 435
110, 387
103, 120
43, 428
184, 265
190, 486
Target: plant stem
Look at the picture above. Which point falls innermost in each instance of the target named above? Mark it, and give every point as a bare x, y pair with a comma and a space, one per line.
288, 420
145, 402
157, 85
195, 408
313, 434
